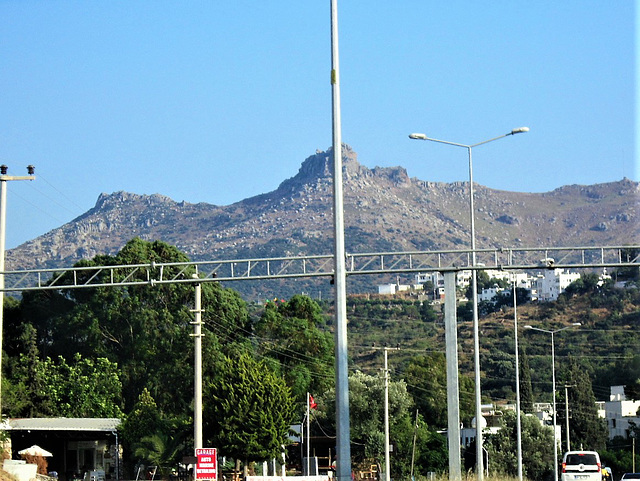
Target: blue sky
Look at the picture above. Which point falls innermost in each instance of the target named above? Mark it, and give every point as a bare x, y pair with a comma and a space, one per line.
217, 101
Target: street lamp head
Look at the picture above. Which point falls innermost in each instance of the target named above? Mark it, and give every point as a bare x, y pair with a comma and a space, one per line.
519, 130
528, 327
576, 324
418, 136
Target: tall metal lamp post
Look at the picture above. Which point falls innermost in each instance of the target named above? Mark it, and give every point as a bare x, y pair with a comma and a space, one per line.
518, 415
3, 230
553, 377
474, 285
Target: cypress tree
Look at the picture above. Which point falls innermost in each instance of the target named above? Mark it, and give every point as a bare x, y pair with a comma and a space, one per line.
526, 391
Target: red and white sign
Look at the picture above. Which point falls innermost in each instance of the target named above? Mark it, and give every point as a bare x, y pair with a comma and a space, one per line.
207, 467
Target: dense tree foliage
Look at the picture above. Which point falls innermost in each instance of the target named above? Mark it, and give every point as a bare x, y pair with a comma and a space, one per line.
135, 326
426, 376
537, 447
251, 412
366, 410
628, 273
294, 333
586, 428
60, 388
526, 390
81, 387
143, 419
95, 351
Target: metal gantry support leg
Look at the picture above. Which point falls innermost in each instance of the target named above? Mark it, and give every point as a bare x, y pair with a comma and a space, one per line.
453, 396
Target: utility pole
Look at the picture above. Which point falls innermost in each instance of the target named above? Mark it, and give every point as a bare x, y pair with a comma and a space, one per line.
197, 361
3, 231
387, 457
566, 411
413, 451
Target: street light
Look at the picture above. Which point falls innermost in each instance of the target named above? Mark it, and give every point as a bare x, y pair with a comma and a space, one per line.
518, 418
553, 377
474, 284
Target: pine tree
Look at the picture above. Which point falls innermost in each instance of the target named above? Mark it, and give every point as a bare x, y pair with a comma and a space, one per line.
250, 411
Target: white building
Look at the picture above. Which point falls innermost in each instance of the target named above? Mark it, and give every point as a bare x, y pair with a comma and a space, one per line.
619, 412
437, 279
392, 288
553, 283
491, 292
387, 289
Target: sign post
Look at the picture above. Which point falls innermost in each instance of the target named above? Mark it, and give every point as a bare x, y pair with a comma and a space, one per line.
207, 466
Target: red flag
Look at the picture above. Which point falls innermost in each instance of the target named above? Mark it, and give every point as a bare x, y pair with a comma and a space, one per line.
312, 403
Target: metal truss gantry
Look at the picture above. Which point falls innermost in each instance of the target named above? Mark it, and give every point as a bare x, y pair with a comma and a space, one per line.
321, 266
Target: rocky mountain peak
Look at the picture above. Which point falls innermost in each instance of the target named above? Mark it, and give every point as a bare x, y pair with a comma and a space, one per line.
319, 168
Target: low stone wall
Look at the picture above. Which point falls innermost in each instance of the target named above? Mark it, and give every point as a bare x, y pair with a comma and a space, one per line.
20, 469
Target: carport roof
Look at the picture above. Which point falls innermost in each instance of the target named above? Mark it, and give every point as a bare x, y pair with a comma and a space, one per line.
61, 424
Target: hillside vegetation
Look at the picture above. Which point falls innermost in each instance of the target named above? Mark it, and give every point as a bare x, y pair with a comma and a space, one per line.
607, 343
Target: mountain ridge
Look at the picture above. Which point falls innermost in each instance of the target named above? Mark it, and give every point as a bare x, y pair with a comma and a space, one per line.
384, 210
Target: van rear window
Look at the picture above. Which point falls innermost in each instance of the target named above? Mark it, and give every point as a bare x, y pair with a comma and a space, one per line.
575, 459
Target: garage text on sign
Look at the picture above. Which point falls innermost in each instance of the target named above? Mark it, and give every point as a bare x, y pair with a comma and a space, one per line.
207, 467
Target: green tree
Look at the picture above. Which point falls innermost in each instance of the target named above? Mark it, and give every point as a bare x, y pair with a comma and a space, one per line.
160, 449
80, 388
250, 410
426, 377
537, 447
76, 388
144, 420
291, 334
24, 393
366, 411
427, 312
586, 428
629, 254
87, 388
431, 454
632, 390
144, 329
526, 390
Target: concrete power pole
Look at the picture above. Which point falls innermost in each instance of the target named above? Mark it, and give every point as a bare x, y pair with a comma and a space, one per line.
3, 232
566, 412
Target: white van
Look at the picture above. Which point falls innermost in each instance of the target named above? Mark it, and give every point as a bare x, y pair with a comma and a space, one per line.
581, 466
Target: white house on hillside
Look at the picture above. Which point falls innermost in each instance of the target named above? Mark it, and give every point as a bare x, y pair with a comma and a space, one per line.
619, 412
553, 283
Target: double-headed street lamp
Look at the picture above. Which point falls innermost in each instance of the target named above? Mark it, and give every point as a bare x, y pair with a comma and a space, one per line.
474, 285
553, 377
